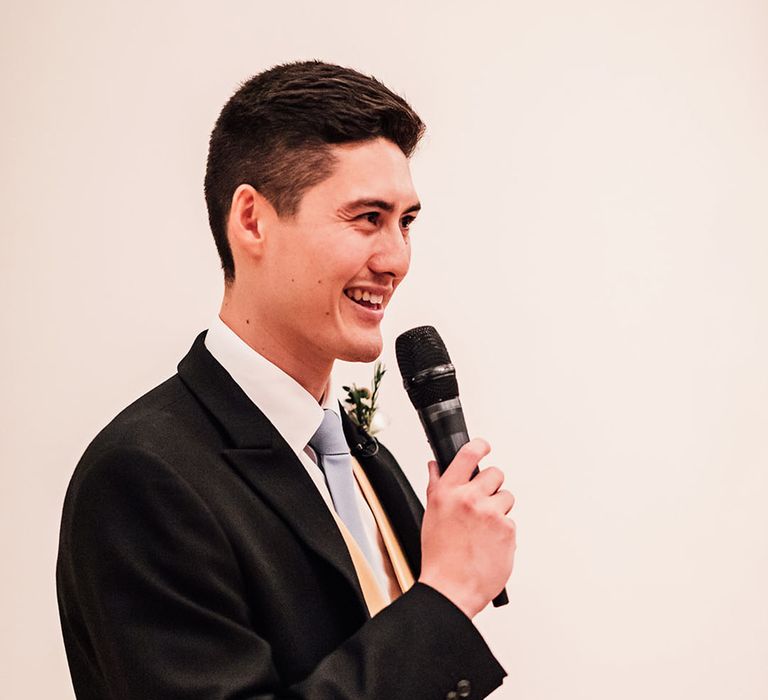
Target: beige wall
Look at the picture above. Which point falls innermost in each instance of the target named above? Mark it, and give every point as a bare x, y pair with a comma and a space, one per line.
593, 249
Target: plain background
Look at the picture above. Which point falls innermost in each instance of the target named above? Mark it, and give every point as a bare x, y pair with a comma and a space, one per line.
593, 249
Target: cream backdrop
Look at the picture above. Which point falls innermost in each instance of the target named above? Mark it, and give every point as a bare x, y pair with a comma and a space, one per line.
593, 249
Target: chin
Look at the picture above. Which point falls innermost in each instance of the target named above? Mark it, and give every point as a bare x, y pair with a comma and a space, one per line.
362, 349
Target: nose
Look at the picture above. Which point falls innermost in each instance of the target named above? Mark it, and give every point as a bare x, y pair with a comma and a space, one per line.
392, 255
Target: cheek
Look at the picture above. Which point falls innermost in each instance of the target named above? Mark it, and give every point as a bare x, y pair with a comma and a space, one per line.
349, 265
330, 263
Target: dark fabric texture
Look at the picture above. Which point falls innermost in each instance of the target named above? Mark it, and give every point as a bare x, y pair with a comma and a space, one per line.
198, 560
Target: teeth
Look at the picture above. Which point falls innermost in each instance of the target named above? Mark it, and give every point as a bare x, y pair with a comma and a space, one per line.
364, 295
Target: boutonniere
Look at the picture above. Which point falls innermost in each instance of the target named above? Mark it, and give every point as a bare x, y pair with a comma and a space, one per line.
363, 409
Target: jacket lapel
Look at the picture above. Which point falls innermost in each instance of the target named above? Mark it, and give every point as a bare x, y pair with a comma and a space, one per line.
393, 490
265, 461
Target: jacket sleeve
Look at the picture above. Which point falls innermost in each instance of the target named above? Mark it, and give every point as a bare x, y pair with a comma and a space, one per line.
152, 606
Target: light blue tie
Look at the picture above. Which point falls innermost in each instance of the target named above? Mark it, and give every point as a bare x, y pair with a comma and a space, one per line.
333, 457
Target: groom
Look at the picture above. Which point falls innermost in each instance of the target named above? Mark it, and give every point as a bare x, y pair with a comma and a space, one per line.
218, 540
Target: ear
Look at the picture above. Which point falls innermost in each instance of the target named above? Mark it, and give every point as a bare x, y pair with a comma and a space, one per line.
248, 222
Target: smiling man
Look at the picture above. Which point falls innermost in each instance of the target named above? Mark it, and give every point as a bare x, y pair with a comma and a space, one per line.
218, 539
312, 288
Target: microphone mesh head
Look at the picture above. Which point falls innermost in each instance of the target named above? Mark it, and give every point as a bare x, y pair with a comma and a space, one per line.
419, 349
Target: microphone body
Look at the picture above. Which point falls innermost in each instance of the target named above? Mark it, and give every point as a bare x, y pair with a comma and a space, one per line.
430, 380
446, 430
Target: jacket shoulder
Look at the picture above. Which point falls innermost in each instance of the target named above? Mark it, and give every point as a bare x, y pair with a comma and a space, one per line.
161, 416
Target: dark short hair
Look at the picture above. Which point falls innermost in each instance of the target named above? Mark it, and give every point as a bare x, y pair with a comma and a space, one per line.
275, 134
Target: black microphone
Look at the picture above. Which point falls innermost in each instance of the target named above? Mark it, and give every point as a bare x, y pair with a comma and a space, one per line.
430, 380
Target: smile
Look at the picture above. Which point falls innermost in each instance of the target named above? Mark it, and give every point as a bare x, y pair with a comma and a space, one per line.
365, 298
366, 311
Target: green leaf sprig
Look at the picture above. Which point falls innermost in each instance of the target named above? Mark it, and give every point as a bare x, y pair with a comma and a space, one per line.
363, 402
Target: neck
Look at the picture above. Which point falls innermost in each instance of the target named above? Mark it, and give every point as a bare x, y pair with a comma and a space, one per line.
313, 374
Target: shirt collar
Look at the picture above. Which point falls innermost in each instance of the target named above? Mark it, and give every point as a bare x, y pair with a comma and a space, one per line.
291, 409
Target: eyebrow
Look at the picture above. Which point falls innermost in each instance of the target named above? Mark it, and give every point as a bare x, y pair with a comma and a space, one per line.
378, 204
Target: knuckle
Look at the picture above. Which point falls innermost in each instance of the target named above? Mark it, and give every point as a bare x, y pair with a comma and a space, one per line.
466, 502
435, 495
489, 516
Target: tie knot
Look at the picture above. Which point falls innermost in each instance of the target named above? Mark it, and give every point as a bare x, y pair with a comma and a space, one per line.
329, 437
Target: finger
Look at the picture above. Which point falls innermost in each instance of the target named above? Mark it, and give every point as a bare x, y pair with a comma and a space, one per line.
488, 481
502, 501
466, 459
434, 473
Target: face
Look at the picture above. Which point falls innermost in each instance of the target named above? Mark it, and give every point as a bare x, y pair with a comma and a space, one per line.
329, 272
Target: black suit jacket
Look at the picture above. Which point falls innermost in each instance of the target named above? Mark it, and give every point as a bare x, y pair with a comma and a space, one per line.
198, 560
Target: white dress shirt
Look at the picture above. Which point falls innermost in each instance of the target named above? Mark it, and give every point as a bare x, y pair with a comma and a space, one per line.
296, 415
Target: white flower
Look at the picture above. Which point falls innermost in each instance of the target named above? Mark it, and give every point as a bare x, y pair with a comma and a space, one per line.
379, 422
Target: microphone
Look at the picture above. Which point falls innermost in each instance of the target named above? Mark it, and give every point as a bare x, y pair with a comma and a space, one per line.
430, 380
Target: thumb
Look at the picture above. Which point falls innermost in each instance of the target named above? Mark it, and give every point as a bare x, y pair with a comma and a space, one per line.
434, 474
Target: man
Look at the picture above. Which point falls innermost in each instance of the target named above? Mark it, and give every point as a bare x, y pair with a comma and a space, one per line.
208, 546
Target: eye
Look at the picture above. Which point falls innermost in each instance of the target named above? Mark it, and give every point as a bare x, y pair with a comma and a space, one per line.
407, 221
372, 217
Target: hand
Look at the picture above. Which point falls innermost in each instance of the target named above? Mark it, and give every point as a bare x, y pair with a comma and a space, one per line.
467, 541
